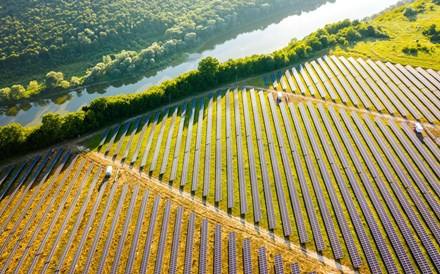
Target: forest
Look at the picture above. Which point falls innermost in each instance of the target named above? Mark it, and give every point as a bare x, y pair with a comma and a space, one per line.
111, 38
15, 138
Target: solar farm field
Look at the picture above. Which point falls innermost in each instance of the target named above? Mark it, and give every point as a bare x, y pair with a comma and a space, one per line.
67, 217
328, 174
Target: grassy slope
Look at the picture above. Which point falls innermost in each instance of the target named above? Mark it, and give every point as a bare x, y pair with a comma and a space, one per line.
403, 32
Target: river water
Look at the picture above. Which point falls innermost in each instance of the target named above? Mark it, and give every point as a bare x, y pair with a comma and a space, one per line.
257, 39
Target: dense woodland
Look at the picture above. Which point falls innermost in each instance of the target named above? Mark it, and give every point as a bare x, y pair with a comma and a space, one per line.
210, 73
114, 37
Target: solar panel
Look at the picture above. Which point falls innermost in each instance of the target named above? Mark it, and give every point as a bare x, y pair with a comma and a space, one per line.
207, 165
121, 139
141, 137
229, 174
203, 246
133, 133
170, 137
275, 168
251, 160
196, 163
112, 139
111, 232
151, 135
189, 244
232, 253
262, 261
162, 239
263, 165
159, 139
301, 86
178, 143
240, 158
176, 240
290, 81
103, 138
187, 152
137, 231
218, 147
295, 268
218, 249
247, 259
149, 240
278, 264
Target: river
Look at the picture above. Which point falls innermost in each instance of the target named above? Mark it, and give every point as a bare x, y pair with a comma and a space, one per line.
247, 41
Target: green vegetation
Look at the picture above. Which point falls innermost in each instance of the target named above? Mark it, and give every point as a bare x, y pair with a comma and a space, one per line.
412, 40
104, 40
381, 35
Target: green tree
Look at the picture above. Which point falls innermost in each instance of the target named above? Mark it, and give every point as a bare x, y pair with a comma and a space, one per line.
208, 69
53, 79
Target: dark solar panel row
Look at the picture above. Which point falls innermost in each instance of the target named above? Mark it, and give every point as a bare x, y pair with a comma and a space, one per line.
332, 80
159, 139
354, 254
435, 74
420, 91
288, 171
187, 151
406, 162
232, 253
78, 221
301, 86
103, 138
250, 151
275, 168
422, 103
11, 180
290, 81
378, 238
385, 219
137, 232
383, 90
419, 162
111, 232
382, 99
263, 164
278, 264
179, 137
262, 261
432, 147
302, 233
240, 158
247, 258
218, 152
133, 132
35, 210
295, 268
203, 247
357, 223
162, 239
229, 172
319, 242
331, 91
299, 219
112, 140
207, 165
394, 85
141, 136
308, 71
123, 236
420, 78
429, 77
18, 203
348, 90
151, 135
149, 240
331, 65
432, 163
121, 139
415, 250
325, 213
5, 265
170, 138
195, 174
63, 226
366, 90
189, 244
350, 79
217, 250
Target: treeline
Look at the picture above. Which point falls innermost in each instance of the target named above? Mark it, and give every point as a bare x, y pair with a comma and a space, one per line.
210, 73
39, 35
